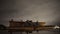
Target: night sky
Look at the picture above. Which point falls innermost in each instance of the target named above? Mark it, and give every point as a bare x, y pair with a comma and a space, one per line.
42, 10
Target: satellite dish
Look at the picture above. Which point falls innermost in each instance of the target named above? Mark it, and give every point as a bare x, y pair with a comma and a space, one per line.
56, 27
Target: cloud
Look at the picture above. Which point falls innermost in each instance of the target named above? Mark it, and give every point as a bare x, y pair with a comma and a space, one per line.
41, 10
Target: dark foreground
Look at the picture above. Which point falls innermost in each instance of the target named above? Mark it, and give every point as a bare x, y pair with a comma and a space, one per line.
34, 32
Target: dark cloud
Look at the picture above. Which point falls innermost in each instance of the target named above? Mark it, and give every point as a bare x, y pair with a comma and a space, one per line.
41, 10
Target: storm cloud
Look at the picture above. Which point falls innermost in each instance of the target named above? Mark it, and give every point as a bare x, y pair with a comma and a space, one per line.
42, 10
